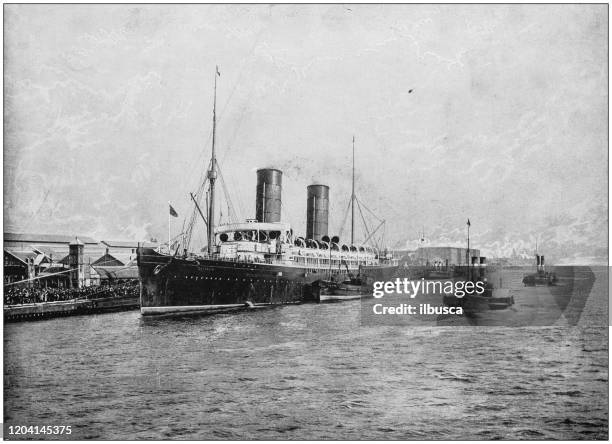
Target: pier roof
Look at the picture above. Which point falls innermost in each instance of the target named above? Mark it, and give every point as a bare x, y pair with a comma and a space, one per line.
127, 244
22, 256
119, 259
46, 238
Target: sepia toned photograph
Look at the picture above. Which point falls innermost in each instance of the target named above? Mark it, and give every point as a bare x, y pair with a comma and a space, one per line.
305, 222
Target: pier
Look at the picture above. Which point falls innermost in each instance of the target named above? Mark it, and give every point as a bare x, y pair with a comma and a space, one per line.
46, 310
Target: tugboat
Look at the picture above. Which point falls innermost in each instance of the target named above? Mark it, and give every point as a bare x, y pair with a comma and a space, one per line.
541, 277
253, 264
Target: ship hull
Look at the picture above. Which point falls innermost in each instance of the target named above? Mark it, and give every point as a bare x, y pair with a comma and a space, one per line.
171, 285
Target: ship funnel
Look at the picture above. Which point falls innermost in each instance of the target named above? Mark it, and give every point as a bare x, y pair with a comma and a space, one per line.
268, 195
317, 211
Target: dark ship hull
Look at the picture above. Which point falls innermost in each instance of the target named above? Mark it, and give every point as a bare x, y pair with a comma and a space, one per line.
539, 279
178, 285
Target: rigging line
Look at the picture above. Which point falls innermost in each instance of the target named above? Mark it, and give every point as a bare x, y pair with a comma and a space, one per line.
192, 221
190, 226
228, 186
193, 216
371, 212
199, 161
204, 175
371, 236
207, 143
232, 208
379, 239
183, 232
363, 219
230, 145
241, 73
232, 212
344, 219
228, 148
225, 107
228, 201
219, 119
203, 182
241, 207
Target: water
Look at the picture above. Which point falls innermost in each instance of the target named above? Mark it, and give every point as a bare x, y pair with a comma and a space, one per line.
309, 372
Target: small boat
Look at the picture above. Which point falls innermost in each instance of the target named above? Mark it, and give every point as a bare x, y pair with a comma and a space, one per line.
351, 288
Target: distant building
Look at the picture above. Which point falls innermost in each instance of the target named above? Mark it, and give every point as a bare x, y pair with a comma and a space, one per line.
446, 256
405, 257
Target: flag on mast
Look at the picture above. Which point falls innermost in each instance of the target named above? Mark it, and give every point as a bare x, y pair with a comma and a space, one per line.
172, 211
218, 73
468, 223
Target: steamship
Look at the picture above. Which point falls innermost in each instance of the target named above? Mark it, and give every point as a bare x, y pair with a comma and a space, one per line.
259, 262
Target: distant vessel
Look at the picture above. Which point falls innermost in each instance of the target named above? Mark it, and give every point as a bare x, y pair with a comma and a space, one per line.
256, 263
541, 277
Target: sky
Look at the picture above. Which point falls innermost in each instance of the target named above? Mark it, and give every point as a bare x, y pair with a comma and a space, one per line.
496, 113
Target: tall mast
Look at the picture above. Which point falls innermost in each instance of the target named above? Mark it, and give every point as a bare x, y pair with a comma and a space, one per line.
212, 174
467, 253
353, 199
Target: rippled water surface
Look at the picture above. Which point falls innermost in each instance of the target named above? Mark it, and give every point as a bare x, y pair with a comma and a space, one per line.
310, 372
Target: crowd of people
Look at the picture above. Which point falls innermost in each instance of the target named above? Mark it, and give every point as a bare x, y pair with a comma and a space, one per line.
14, 295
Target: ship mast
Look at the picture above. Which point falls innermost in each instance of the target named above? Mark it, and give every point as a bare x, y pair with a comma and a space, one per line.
212, 174
353, 199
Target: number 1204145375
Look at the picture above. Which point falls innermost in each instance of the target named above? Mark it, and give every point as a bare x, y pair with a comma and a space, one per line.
39, 430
